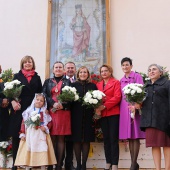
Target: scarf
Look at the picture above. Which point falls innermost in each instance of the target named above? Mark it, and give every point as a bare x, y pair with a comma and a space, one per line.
28, 74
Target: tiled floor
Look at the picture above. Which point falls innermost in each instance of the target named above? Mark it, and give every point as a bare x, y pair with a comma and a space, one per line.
87, 169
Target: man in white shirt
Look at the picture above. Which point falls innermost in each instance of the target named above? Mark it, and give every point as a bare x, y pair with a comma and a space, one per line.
70, 69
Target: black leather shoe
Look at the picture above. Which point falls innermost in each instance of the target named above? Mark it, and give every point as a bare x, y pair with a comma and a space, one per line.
70, 167
50, 167
14, 168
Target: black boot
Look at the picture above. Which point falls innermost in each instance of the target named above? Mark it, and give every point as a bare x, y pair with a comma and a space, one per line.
83, 166
58, 167
50, 167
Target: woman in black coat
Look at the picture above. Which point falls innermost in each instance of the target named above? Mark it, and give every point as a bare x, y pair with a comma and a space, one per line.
82, 119
32, 84
155, 118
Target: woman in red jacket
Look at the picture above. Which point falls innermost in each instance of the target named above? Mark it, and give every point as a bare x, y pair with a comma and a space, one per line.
110, 115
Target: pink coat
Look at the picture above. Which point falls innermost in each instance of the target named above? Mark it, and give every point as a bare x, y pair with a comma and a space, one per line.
129, 128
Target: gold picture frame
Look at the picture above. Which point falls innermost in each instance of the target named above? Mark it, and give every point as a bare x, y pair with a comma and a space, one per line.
49, 27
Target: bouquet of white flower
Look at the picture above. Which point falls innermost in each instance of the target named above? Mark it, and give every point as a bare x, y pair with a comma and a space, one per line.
13, 89
68, 94
93, 99
6, 151
33, 120
134, 93
3, 145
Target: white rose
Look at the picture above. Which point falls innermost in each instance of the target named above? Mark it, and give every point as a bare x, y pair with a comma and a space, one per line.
34, 118
139, 90
99, 96
132, 92
127, 91
88, 93
134, 88
91, 101
95, 101
5, 84
9, 86
140, 85
65, 88
95, 95
95, 92
38, 116
34, 113
15, 82
73, 89
86, 100
76, 97
4, 144
89, 96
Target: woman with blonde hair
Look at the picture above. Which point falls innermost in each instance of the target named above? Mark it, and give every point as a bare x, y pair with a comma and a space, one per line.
82, 124
32, 84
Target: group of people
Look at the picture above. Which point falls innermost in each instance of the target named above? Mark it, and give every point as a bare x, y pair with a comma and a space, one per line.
69, 126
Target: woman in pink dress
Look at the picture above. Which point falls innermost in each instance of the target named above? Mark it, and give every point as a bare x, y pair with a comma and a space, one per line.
129, 128
60, 113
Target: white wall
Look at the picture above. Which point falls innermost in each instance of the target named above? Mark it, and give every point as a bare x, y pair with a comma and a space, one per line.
23, 32
140, 29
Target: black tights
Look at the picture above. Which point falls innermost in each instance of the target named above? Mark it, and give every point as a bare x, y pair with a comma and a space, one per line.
59, 145
81, 147
134, 146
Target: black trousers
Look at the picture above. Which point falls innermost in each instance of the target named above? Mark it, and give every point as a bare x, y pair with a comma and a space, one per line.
15, 146
110, 128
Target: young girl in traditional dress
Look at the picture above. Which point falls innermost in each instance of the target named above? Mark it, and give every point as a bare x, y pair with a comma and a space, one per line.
35, 148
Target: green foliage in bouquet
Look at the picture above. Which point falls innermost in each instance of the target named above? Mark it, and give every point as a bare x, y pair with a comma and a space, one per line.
68, 94
7, 75
13, 89
166, 73
34, 120
144, 77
